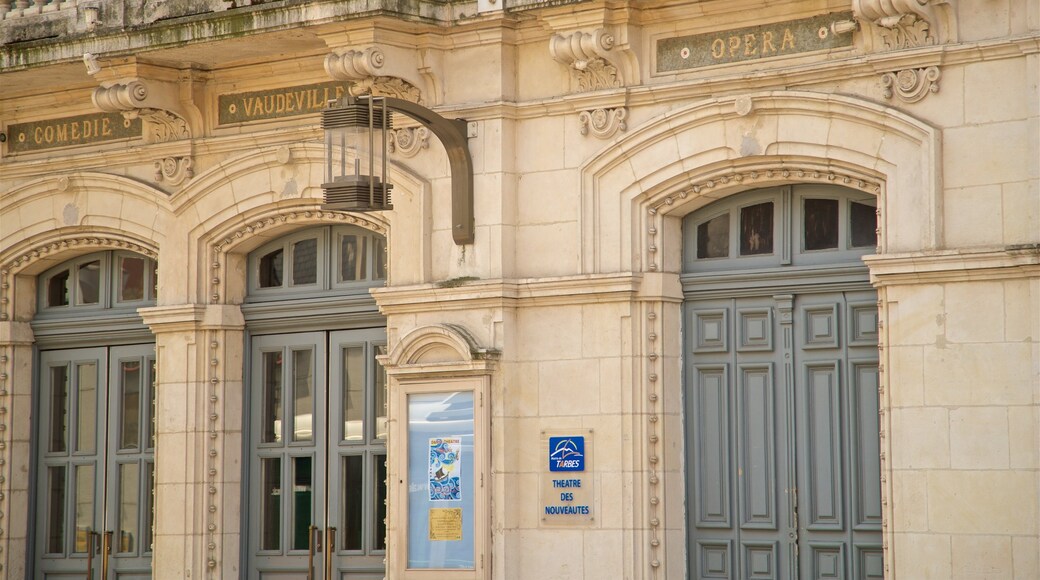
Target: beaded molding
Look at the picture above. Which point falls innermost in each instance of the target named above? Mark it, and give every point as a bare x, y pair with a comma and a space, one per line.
653, 439
222, 246
213, 457
5, 372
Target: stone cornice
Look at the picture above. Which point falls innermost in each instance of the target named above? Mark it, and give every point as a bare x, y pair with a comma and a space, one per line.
955, 266
729, 80
570, 290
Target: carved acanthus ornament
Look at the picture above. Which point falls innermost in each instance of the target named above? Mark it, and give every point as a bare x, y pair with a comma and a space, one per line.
603, 123
907, 23
407, 142
911, 85
591, 58
362, 69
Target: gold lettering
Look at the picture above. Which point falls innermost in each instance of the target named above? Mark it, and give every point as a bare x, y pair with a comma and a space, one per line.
300, 97
106, 129
48, 134
734, 44
38, 135
279, 103
87, 129
788, 39
718, 48
63, 132
767, 42
268, 104
339, 92
75, 132
750, 45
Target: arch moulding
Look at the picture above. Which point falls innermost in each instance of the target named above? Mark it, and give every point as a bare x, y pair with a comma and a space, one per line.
685, 159
438, 350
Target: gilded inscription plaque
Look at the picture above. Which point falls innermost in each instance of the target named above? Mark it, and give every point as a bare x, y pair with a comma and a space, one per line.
277, 103
751, 43
69, 131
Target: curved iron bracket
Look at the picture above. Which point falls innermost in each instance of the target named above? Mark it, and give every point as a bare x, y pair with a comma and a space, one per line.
452, 134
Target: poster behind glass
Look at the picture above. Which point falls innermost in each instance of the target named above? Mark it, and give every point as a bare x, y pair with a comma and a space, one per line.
440, 480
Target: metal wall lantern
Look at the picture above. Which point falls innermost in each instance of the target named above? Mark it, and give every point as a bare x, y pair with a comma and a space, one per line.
355, 157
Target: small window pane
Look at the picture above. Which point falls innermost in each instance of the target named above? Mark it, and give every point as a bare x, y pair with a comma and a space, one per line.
352, 258
271, 270
303, 395
864, 225
353, 393
89, 276
270, 503
271, 427
756, 229
380, 485
55, 510
821, 224
305, 262
380, 394
84, 504
352, 502
713, 238
303, 491
86, 416
379, 258
59, 409
130, 421
131, 279
126, 537
58, 289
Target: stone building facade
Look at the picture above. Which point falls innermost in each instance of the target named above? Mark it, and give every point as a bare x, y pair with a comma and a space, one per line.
753, 291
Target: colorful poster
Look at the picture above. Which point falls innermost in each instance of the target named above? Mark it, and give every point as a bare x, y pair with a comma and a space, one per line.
445, 469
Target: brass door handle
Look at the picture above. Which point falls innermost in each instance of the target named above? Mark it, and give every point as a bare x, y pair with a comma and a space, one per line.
330, 551
106, 550
91, 542
313, 546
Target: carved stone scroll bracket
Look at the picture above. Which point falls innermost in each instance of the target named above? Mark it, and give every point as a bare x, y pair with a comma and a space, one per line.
603, 123
899, 24
174, 170
407, 142
369, 73
592, 57
911, 85
155, 102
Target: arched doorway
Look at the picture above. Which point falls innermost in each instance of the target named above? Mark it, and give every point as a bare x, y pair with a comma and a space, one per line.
315, 406
95, 408
781, 386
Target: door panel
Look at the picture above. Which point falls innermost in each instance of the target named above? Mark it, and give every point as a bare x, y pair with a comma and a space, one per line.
95, 464
781, 413
318, 440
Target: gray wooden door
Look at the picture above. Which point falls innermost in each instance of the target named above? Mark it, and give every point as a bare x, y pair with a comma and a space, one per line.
95, 463
318, 456
781, 406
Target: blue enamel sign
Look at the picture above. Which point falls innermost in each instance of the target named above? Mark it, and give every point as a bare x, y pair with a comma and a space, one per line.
567, 454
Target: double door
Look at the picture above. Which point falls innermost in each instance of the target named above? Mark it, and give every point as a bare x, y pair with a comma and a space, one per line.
781, 403
317, 468
95, 467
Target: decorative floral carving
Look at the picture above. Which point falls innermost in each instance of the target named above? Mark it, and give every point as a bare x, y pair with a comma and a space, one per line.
590, 58
161, 126
387, 87
907, 23
907, 32
911, 85
408, 141
603, 123
174, 170
597, 74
